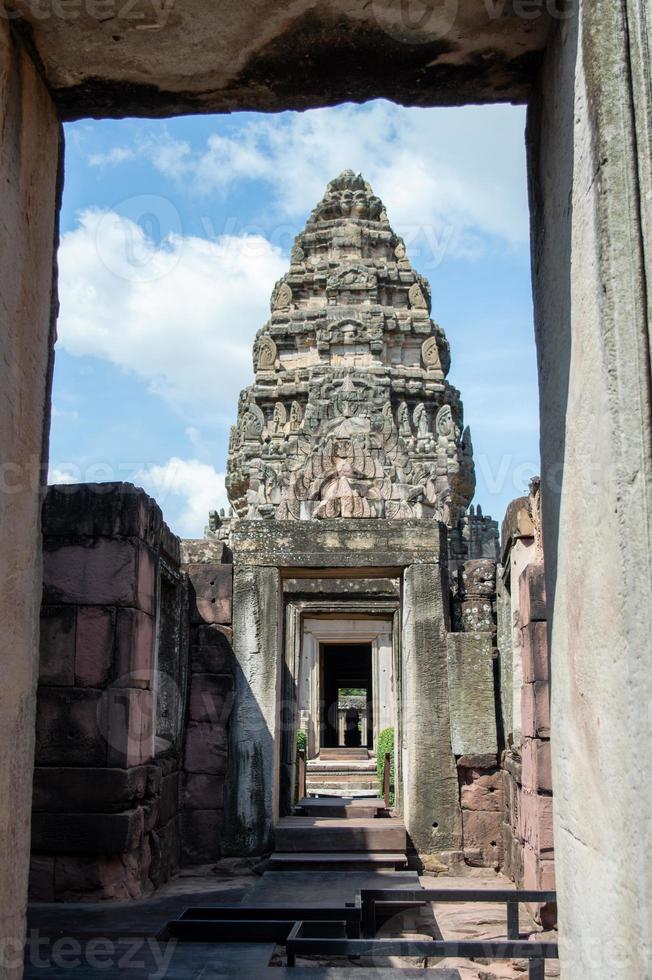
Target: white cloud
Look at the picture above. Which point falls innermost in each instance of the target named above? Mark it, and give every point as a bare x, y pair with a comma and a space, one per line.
186, 490
181, 314
58, 475
432, 167
118, 154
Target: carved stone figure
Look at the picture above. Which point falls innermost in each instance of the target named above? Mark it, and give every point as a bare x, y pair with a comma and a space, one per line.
266, 354
281, 297
430, 354
416, 297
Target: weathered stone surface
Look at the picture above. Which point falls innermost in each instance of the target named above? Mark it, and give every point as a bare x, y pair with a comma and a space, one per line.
471, 694
535, 821
88, 877
129, 726
474, 761
202, 792
483, 832
336, 543
90, 833
134, 653
479, 792
200, 835
517, 522
537, 772
535, 710
211, 592
57, 645
96, 790
29, 174
197, 551
94, 646
249, 801
532, 587
466, 52
102, 572
70, 728
216, 658
41, 878
169, 798
93, 510
535, 652
211, 698
205, 750
432, 815
355, 588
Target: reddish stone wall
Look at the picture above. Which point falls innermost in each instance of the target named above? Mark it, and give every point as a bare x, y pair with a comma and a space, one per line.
473, 610
527, 781
106, 787
210, 574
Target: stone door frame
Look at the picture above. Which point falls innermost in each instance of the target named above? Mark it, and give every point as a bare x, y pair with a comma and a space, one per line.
319, 631
318, 622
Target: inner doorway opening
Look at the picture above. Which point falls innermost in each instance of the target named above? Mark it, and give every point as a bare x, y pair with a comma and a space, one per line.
347, 707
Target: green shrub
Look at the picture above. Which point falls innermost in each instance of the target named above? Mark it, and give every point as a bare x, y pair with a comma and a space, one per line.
385, 744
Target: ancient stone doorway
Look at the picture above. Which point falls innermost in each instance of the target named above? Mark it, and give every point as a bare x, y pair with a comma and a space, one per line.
347, 696
343, 655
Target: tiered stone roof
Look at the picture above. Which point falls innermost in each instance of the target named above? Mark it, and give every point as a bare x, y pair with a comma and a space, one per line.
350, 414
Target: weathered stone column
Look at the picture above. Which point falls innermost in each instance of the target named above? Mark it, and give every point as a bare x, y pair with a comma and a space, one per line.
590, 135
251, 787
29, 156
430, 786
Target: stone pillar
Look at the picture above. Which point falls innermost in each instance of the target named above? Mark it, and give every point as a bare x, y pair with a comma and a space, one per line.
430, 786
251, 803
29, 158
590, 134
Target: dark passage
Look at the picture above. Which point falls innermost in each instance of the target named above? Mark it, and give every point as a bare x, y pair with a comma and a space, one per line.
346, 678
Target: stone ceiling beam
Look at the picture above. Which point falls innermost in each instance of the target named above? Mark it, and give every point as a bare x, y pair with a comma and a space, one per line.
114, 58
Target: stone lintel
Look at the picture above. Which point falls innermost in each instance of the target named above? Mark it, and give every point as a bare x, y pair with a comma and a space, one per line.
339, 543
355, 588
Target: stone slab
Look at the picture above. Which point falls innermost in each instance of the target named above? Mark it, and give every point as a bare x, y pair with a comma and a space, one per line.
471, 694
342, 543
90, 790
325, 888
87, 833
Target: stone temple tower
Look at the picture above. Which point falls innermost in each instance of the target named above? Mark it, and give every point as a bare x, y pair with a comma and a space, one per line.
350, 474
350, 414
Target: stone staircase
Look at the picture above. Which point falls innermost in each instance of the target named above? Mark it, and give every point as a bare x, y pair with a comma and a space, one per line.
332, 833
342, 772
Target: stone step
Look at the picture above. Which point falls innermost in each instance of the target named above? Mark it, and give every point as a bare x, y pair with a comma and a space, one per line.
331, 791
361, 754
342, 807
338, 861
297, 834
341, 765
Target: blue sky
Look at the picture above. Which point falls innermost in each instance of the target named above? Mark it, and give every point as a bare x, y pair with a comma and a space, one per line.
174, 232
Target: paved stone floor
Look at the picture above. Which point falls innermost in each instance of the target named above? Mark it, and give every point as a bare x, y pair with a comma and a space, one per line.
65, 940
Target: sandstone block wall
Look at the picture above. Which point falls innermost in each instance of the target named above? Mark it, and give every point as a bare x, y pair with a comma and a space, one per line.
527, 779
110, 697
209, 568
